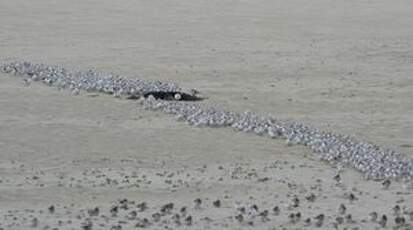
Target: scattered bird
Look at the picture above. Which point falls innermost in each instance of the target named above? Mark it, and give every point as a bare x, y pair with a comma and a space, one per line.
340, 220
311, 197
87, 225
167, 208
291, 217
143, 223
241, 209
264, 215
132, 215
295, 202
142, 206
51, 209
177, 219
373, 216
396, 210
114, 210
188, 220
342, 209
276, 210
183, 210
400, 221
34, 223
239, 217
307, 221
217, 203
93, 212
386, 183
319, 220
349, 219
156, 217
337, 178
383, 221
198, 203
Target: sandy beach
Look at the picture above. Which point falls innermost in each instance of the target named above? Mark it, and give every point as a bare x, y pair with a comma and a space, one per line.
92, 161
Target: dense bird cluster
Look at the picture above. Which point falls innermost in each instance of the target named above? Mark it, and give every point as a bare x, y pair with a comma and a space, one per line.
340, 150
90, 81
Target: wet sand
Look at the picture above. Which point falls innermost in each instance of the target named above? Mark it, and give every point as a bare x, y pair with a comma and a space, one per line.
339, 66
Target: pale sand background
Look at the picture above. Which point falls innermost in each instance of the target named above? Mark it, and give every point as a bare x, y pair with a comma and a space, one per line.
345, 66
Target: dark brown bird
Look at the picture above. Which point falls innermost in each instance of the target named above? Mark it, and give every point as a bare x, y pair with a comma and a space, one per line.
276, 210
188, 220
239, 217
51, 209
400, 221
198, 203
167, 208
142, 206
320, 220
217, 203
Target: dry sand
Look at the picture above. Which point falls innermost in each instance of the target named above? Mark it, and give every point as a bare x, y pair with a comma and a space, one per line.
343, 66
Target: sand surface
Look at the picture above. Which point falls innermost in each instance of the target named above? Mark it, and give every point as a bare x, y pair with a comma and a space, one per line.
342, 66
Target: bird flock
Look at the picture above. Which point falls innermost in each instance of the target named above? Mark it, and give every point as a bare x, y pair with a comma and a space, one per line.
340, 150
90, 81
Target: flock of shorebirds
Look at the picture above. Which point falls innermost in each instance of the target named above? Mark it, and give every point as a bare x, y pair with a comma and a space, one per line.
299, 208
373, 161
